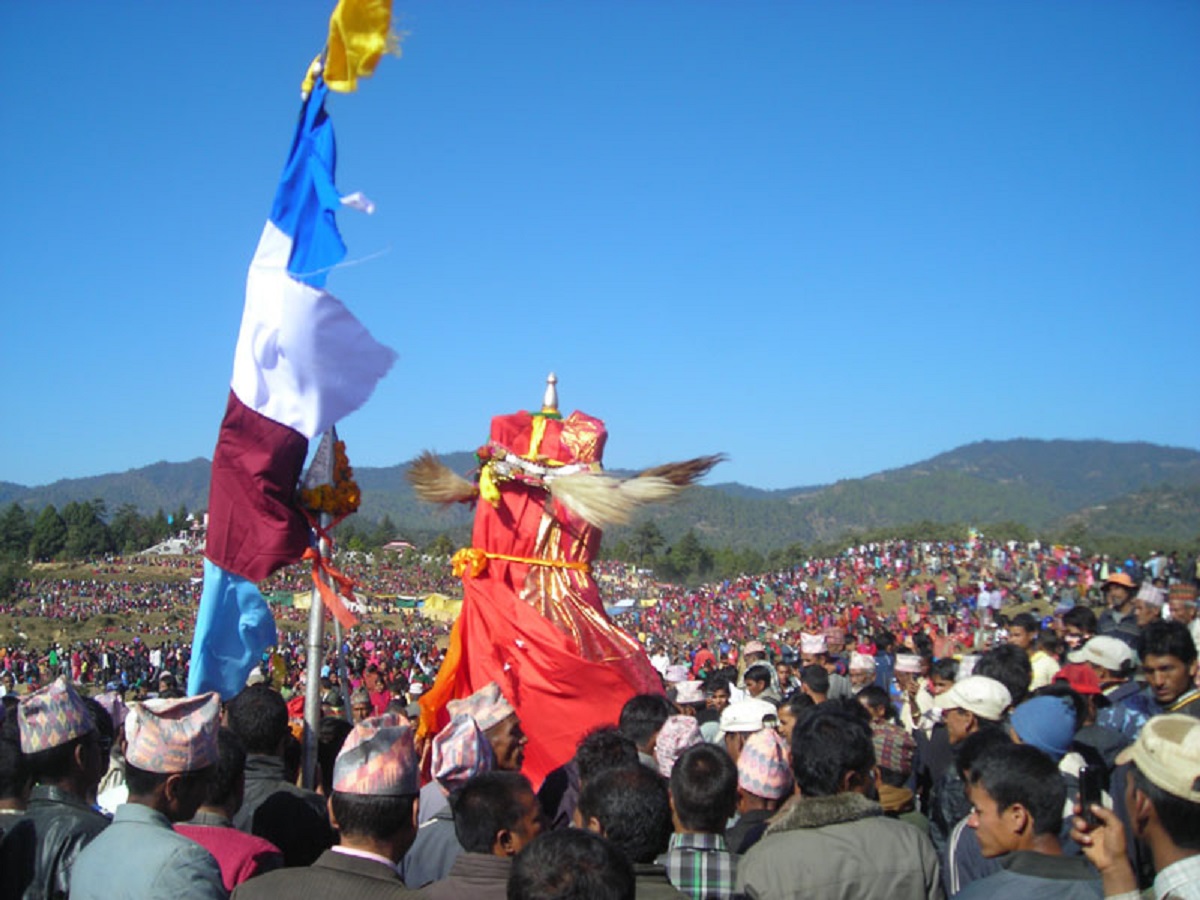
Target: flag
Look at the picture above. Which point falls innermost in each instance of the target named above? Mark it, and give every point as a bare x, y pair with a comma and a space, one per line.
302, 362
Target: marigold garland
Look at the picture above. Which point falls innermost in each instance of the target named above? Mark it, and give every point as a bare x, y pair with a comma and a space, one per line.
340, 498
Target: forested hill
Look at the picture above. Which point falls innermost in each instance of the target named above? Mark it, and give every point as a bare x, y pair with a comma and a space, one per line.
1133, 489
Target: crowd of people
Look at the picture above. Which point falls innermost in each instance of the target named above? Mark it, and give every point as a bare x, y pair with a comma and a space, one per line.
1021, 719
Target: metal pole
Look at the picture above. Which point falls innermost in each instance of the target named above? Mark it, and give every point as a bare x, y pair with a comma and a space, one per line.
312, 687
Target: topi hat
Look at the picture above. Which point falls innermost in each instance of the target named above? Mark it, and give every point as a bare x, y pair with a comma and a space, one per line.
985, 697
861, 662
894, 747
675, 674
460, 751
378, 759
677, 734
689, 692
909, 663
52, 716
1148, 593
762, 766
1167, 752
168, 737
754, 647
1182, 591
486, 706
812, 644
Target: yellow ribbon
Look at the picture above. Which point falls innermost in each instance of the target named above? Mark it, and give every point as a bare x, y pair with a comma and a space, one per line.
473, 561
488, 489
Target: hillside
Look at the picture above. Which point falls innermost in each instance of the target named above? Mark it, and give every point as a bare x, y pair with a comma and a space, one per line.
1130, 489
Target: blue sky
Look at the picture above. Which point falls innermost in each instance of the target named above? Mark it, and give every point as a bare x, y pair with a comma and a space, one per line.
826, 238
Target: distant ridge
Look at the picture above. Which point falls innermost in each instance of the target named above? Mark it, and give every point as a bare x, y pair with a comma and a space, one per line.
1108, 488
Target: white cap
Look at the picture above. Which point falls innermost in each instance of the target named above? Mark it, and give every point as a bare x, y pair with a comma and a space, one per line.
860, 662
986, 697
1107, 652
747, 716
812, 644
1148, 593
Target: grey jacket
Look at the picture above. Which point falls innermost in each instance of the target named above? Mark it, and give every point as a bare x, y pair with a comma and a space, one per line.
840, 848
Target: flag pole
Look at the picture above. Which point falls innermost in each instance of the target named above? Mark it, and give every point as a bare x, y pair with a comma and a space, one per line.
312, 687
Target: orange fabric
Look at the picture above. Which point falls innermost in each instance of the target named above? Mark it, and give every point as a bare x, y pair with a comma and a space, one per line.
329, 599
532, 619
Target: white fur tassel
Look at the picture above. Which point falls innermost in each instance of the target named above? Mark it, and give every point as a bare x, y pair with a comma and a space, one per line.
603, 500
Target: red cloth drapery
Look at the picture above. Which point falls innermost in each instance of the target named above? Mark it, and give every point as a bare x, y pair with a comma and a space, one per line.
536, 626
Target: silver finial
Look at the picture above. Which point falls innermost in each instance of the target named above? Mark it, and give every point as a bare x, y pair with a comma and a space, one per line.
550, 399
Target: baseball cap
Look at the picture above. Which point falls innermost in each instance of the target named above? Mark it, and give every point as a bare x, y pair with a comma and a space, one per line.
1167, 752
1120, 578
986, 697
1107, 652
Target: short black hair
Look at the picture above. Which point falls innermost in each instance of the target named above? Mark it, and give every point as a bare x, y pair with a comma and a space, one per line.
371, 815
633, 808
704, 788
876, 697
14, 774
56, 762
815, 678
1009, 665
979, 742
826, 746
1082, 618
571, 864
1027, 622
1161, 638
142, 783
332, 732
798, 701
231, 766
259, 716
758, 672
486, 804
602, 749
1021, 773
716, 683
946, 667
1178, 816
642, 717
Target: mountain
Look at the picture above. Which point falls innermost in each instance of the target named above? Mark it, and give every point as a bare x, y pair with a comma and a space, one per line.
1131, 489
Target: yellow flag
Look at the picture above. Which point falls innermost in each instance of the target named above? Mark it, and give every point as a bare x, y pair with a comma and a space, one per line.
359, 35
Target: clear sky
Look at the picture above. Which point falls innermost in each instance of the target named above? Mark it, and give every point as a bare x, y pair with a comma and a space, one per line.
826, 238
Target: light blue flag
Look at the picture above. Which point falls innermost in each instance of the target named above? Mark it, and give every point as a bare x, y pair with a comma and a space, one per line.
222, 657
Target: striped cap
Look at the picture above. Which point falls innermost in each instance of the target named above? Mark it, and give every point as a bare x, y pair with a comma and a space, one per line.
173, 736
763, 768
460, 751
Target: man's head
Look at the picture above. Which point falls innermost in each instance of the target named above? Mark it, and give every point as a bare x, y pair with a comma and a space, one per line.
758, 679
460, 752
862, 670
602, 749
498, 721
1168, 660
1181, 600
764, 772
496, 813
259, 716
642, 717
1010, 666
227, 781
942, 675
971, 704
1163, 791
571, 864
1023, 631
1111, 659
741, 719
375, 787
14, 775
789, 711
631, 808
814, 681
1079, 626
1118, 592
1148, 604
704, 786
1017, 795
717, 692
832, 753
172, 752
360, 705
814, 649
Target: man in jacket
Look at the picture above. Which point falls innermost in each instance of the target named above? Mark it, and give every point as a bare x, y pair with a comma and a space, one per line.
833, 840
495, 816
374, 807
62, 751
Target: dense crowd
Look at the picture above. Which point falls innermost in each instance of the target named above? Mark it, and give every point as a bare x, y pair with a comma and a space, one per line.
1014, 719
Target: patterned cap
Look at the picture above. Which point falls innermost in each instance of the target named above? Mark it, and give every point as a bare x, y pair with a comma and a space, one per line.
460, 751
52, 716
115, 706
835, 634
894, 747
1182, 591
378, 759
811, 644
689, 692
908, 662
677, 734
861, 662
173, 736
486, 706
762, 766
1148, 593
